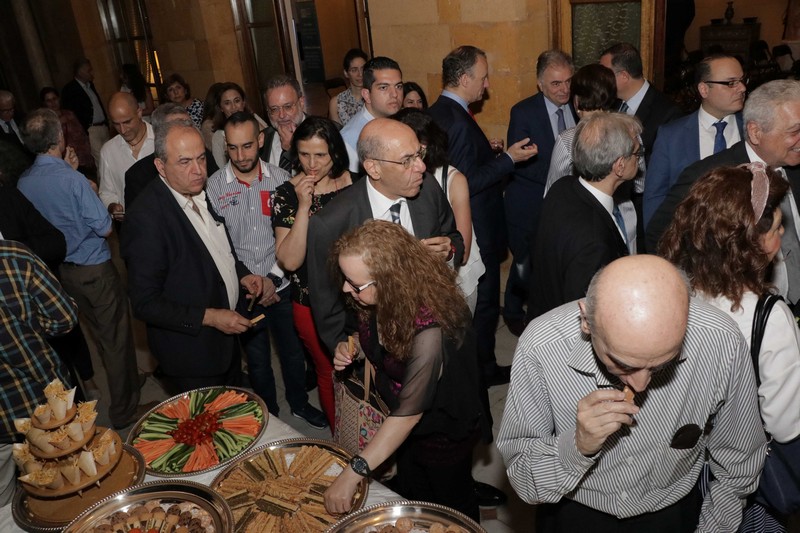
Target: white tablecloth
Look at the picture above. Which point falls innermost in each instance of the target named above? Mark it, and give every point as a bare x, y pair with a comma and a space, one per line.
276, 430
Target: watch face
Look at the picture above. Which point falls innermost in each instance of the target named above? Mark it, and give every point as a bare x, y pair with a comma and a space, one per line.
359, 465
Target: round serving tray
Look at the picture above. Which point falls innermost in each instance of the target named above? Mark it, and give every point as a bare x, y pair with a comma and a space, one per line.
170, 491
50, 515
55, 423
422, 514
288, 447
251, 396
77, 445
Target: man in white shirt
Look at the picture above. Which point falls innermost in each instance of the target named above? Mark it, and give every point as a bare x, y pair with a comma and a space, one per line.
714, 127
286, 109
135, 141
383, 97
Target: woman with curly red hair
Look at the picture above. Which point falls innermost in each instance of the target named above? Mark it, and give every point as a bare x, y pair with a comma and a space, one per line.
415, 330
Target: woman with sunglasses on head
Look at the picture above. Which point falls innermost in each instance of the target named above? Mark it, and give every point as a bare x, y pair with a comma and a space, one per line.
320, 157
725, 235
415, 329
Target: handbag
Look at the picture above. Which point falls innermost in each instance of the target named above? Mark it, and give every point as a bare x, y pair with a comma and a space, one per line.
360, 411
779, 484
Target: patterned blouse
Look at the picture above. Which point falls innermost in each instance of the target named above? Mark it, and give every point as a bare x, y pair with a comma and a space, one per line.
347, 106
195, 110
284, 209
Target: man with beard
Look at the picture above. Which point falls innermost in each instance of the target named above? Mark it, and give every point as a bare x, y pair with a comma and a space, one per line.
286, 109
241, 192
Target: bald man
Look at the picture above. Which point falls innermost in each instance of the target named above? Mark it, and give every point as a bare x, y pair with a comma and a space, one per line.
135, 141
571, 440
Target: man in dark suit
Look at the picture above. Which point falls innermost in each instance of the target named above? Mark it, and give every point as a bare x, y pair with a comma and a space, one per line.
81, 97
9, 120
285, 105
465, 75
771, 118
715, 126
580, 229
183, 275
541, 118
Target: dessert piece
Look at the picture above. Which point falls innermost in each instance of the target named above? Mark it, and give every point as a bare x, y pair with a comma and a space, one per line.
40, 439
26, 461
22, 425
70, 470
75, 431
60, 438
629, 394
43, 413
87, 464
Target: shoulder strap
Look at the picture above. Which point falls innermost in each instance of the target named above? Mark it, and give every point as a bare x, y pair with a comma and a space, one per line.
445, 168
760, 317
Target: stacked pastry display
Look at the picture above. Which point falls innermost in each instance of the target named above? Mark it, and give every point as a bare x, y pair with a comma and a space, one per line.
63, 450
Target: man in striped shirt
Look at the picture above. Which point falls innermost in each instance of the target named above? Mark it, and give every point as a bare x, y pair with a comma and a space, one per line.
570, 439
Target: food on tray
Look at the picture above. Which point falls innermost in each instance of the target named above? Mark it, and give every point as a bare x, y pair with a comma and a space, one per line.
406, 525
199, 430
59, 399
281, 490
629, 394
157, 516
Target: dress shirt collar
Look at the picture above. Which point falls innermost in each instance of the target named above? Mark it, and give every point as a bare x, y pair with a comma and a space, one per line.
460, 101
379, 203
605, 200
754, 157
184, 202
47, 159
230, 176
636, 100
582, 359
708, 120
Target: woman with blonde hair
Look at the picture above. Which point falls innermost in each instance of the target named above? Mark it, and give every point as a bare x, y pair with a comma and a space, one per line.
414, 328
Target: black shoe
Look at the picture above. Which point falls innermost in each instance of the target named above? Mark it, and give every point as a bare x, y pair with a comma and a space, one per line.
515, 325
312, 416
498, 375
489, 496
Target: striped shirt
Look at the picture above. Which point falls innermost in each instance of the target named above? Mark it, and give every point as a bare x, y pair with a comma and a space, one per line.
32, 305
636, 471
247, 210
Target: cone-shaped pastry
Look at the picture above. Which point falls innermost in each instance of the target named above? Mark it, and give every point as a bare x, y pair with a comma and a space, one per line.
43, 413
101, 455
70, 398
75, 431
87, 464
60, 439
53, 388
40, 439
22, 425
69, 469
58, 403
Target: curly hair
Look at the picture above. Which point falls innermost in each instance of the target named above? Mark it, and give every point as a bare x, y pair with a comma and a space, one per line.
715, 238
409, 278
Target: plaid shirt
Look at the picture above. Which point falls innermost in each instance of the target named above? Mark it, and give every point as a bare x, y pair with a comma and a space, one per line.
32, 305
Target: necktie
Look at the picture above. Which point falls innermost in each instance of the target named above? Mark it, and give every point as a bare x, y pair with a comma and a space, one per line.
395, 212
624, 108
562, 125
620, 222
719, 138
7, 127
790, 246
285, 163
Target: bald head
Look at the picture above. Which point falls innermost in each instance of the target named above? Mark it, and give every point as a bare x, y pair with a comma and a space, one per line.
126, 117
636, 311
389, 152
377, 135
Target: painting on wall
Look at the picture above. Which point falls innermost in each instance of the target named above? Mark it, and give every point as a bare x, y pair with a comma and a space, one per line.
791, 30
597, 25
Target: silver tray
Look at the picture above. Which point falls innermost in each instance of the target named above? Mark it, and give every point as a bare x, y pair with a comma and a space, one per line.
250, 395
288, 444
34, 524
423, 515
180, 491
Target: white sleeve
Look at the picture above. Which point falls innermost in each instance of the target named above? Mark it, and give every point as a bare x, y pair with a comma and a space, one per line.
560, 163
218, 148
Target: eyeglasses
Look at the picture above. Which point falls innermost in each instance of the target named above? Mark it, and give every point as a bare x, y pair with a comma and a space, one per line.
731, 83
408, 161
638, 153
357, 289
286, 108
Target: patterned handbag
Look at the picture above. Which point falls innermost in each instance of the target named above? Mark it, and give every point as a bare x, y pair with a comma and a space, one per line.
360, 411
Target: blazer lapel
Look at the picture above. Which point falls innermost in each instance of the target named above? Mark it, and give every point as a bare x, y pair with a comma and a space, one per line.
609, 222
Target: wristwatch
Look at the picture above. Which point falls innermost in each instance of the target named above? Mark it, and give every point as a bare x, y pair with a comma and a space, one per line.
360, 466
276, 280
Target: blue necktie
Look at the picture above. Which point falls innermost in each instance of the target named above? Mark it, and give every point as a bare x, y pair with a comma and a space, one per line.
620, 223
394, 210
562, 124
624, 108
719, 138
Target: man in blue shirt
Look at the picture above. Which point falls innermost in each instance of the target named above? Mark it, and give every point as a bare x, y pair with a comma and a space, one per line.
67, 201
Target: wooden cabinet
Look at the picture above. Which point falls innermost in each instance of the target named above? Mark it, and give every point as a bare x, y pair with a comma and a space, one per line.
734, 39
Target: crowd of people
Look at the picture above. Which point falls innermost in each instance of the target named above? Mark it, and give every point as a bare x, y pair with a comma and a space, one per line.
642, 242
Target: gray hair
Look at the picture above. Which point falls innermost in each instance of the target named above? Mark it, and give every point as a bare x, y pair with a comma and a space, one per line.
553, 58
602, 139
163, 131
41, 131
763, 103
369, 147
162, 113
282, 80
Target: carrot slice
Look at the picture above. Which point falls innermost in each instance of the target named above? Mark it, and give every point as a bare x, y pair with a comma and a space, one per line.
226, 399
245, 425
153, 449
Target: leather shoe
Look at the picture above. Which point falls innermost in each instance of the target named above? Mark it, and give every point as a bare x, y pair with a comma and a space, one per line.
312, 416
489, 496
515, 325
498, 375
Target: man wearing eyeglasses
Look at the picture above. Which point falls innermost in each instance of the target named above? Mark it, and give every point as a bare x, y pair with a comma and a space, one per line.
286, 109
715, 126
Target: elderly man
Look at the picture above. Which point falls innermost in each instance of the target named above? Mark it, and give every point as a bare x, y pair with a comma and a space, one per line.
134, 142
286, 109
541, 118
241, 192
771, 118
63, 196
9, 129
465, 76
581, 228
715, 126
183, 275
383, 97
80, 96
610, 460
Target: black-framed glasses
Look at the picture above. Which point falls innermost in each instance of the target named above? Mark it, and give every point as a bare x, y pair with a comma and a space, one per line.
356, 288
731, 83
408, 161
286, 108
638, 153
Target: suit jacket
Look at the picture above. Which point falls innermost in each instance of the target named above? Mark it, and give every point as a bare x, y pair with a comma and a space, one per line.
74, 98
524, 193
575, 238
20, 221
677, 146
431, 216
656, 109
11, 137
141, 173
172, 279
470, 152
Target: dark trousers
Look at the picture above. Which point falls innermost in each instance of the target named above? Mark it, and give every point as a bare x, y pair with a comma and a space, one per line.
97, 289
487, 310
516, 294
232, 377
568, 516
